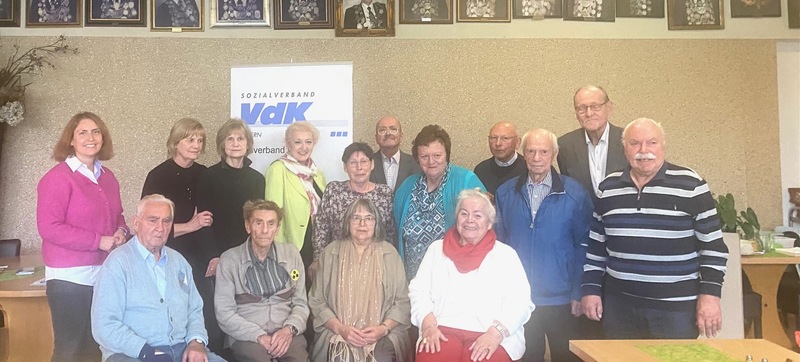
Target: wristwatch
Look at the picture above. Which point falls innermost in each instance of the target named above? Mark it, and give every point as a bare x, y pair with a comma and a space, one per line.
198, 340
503, 331
293, 329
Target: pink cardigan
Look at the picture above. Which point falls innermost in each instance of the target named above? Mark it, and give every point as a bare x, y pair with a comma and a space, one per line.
72, 213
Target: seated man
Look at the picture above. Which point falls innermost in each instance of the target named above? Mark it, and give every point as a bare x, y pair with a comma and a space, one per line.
260, 299
145, 305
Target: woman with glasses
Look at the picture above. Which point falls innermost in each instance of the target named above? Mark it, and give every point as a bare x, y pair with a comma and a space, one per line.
426, 201
359, 299
340, 194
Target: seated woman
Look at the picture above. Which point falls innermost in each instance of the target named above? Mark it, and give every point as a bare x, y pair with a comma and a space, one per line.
470, 298
359, 298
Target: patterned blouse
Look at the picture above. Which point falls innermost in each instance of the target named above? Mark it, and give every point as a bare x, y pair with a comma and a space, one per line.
424, 222
338, 196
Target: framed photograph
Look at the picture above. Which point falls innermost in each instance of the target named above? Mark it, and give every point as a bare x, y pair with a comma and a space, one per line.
695, 14
755, 8
590, 10
640, 8
176, 15
793, 8
303, 14
239, 13
53, 13
426, 11
364, 17
539, 9
487, 11
9, 13
116, 12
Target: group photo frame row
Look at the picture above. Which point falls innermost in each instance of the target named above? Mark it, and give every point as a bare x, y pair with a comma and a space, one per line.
373, 17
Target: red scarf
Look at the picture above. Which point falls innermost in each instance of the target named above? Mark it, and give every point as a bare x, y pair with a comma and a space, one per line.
468, 257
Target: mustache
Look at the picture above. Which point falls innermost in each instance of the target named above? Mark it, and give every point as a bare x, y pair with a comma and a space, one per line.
644, 156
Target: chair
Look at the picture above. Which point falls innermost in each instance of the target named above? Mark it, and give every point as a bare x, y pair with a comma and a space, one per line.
751, 304
10, 247
789, 287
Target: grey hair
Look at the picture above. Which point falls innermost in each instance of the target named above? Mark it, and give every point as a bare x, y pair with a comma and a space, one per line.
478, 194
155, 198
550, 135
641, 120
380, 233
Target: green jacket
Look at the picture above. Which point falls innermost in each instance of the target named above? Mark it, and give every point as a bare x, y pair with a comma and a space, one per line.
284, 188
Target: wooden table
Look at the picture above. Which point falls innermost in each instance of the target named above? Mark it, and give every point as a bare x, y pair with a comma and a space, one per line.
30, 330
627, 350
765, 272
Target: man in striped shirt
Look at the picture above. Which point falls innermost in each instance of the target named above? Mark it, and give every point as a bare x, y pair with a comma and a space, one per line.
656, 247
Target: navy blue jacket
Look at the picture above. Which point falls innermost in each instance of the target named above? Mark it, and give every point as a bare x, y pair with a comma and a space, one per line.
552, 247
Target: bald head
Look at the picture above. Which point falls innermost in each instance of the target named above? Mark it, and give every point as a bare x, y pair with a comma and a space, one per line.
503, 140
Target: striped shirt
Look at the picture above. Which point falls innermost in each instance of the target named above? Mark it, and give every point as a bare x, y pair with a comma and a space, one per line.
661, 245
265, 277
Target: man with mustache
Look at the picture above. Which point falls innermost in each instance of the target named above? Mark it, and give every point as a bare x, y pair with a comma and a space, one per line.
392, 166
656, 247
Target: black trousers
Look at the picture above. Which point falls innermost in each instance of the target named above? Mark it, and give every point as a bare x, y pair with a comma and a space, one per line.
71, 311
559, 325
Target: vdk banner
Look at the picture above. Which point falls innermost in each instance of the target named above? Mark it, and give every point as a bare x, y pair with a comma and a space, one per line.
271, 97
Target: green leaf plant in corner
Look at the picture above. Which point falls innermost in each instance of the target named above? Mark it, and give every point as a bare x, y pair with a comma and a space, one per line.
731, 220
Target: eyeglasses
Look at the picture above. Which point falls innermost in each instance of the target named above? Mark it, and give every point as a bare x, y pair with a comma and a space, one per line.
369, 219
391, 130
502, 139
355, 163
593, 107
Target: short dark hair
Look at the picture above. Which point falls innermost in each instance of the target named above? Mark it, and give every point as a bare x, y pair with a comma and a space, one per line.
356, 147
251, 206
63, 149
428, 135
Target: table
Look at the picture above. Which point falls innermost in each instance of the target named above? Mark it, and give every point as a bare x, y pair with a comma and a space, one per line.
30, 330
765, 272
627, 350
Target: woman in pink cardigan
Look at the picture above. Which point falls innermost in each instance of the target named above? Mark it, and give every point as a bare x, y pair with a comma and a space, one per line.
79, 216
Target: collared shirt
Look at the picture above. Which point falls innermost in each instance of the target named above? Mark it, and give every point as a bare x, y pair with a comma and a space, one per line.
598, 154
367, 19
507, 163
390, 167
538, 191
267, 277
156, 269
83, 275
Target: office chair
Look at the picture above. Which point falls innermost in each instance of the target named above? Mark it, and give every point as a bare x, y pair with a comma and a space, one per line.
10, 247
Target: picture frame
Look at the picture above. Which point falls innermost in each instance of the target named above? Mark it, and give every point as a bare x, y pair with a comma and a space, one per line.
755, 8
590, 10
351, 18
793, 14
116, 13
483, 11
9, 13
538, 9
706, 15
426, 11
53, 13
303, 14
176, 15
653, 9
239, 13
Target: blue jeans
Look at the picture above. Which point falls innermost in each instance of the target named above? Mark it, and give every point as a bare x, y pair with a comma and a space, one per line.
624, 319
174, 351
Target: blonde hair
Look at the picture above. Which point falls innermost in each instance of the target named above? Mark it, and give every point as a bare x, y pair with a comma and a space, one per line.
184, 128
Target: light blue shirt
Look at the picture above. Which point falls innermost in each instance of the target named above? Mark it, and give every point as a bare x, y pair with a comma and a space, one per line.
538, 191
157, 269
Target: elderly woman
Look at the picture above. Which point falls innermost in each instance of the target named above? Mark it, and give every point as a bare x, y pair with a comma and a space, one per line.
222, 190
360, 299
340, 194
470, 298
79, 216
296, 185
426, 202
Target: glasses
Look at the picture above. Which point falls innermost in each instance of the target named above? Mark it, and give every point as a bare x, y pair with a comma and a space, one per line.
369, 219
502, 139
593, 107
355, 163
391, 130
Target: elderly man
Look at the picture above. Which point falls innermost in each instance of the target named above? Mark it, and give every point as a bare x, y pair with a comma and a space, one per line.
145, 305
593, 151
505, 163
545, 217
392, 166
260, 299
656, 247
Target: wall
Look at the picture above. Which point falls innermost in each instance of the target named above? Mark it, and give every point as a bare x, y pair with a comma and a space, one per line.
789, 104
717, 100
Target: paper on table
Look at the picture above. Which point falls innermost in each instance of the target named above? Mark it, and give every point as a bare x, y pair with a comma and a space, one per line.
795, 251
39, 283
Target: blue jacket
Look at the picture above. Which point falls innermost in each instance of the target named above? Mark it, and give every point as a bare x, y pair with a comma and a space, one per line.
552, 247
460, 179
